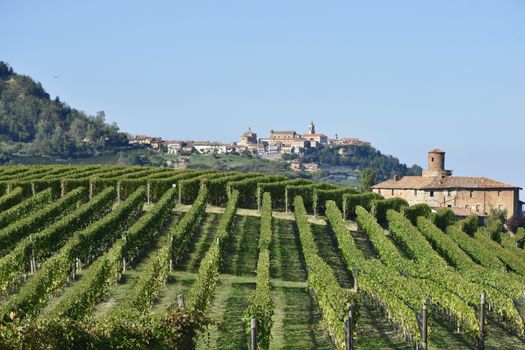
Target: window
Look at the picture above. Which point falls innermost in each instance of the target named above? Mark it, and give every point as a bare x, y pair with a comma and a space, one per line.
415, 193
392, 192
431, 193
499, 193
471, 194
432, 159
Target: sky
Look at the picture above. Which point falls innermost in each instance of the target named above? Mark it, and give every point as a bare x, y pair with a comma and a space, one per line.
407, 76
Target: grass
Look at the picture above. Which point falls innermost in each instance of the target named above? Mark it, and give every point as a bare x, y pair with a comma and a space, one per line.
241, 250
296, 321
286, 263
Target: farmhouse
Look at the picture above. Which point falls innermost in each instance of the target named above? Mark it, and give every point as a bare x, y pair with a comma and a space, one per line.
438, 188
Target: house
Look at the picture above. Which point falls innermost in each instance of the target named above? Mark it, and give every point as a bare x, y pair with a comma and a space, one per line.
156, 143
439, 189
295, 165
299, 145
310, 167
174, 147
207, 147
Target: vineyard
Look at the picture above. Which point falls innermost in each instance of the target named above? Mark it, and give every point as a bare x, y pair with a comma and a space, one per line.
115, 257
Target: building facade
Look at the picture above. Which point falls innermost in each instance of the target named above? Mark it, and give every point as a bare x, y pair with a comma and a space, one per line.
439, 189
283, 138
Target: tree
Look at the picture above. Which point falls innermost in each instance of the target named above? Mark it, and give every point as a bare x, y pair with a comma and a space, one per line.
368, 179
515, 222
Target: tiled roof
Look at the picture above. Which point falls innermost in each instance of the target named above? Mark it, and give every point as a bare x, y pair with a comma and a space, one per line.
282, 132
314, 135
449, 182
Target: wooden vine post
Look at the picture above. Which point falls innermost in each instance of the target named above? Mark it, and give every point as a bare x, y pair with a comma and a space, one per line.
349, 329
424, 335
180, 301
481, 344
253, 334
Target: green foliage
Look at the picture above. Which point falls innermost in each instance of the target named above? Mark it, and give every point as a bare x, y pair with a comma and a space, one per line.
380, 207
182, 233
307, 193
201, 293
277, 190
261, 305
444, 218
494, 223
333, 300
247, 188
474, 248
361, 157
428, 278
470, 224
49, 127
43, 243
20, 210
23, 227
83, 244
368, 179
365, 200
178, 329
189, 189
336, 195
11, 198
415, 211
107, 268
219, 187
514, 261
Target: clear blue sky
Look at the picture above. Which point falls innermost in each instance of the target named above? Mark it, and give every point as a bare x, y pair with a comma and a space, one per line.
406, 75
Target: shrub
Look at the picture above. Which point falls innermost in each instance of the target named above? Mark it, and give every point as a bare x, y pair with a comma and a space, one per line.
444, 218
415, 211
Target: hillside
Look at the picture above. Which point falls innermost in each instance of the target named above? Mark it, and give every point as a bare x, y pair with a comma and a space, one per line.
35, 129
152, 258
32, 124
358, 157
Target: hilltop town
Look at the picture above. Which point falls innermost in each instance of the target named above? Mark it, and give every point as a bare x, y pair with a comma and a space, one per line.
278, 145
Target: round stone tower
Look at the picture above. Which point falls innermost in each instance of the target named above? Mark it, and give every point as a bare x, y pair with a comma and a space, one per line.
436, 164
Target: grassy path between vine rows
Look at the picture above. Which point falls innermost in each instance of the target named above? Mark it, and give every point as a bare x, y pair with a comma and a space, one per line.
118, 291
297, 316
184, 272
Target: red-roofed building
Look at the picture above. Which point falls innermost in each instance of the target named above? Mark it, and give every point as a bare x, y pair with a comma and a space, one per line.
438, 188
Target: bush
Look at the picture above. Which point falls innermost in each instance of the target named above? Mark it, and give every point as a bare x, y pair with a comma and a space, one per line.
380, 207
415, 211
470, 225
444, 218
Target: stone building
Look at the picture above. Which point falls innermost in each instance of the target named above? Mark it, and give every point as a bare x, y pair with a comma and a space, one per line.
283, 138
438, 188
249, 138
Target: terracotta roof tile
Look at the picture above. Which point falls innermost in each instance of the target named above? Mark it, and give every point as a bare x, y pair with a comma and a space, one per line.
449, 182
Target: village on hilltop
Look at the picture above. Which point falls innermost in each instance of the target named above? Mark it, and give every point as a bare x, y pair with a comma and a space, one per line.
272, 147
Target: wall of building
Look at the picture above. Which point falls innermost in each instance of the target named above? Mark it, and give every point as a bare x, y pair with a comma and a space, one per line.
481, 201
